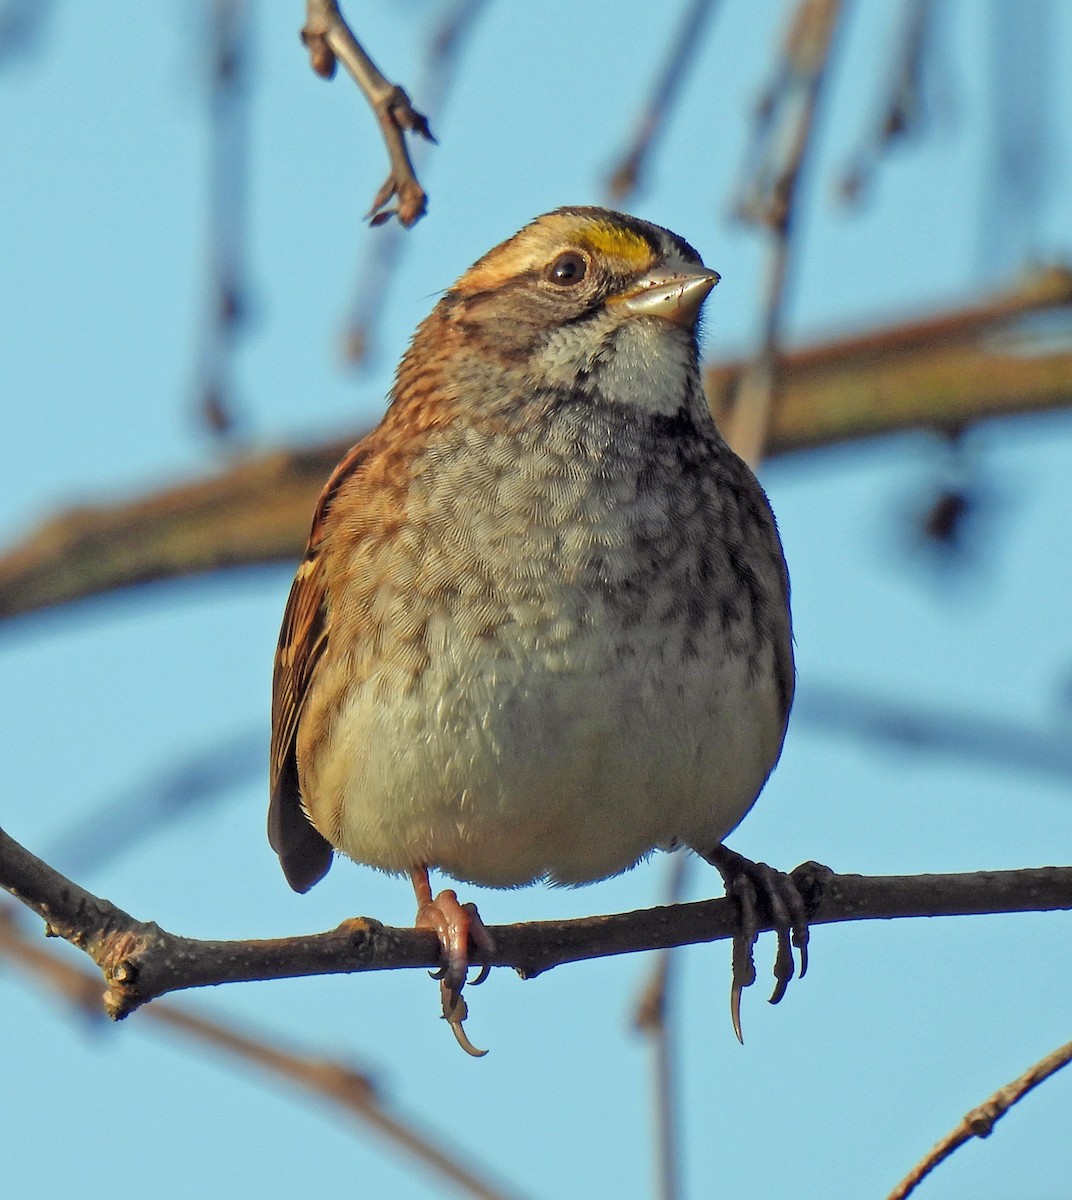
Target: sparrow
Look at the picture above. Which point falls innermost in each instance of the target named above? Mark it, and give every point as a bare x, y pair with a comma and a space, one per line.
542, 625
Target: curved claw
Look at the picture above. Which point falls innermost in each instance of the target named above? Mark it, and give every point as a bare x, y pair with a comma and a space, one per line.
455, 1011
735, 1009
743, 891
799, 921
482, 974
456, 925
784, 966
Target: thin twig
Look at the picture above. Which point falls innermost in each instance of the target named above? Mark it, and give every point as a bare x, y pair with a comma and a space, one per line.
980, 1121
384, 252
770, 200
337, 1082
625, 177
940, 373
140, 961
330, 40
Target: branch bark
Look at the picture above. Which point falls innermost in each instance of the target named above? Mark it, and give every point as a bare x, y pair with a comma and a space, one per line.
941, 373
140, 961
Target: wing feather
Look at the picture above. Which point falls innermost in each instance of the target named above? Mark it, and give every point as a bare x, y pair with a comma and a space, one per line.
304, 853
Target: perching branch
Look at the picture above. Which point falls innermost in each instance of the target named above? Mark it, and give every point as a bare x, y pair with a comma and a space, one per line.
980, 1121
330, 40
942, 373
337, 1082
140, 961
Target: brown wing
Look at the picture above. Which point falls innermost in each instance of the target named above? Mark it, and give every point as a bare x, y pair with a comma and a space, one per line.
304, 853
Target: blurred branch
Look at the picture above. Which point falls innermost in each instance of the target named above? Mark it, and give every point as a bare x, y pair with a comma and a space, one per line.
228, 87
653, 1019
1023, 80
942, 373
784, 131
334, 1081
625, 177
185, 785
980, 1121
22, 26
256, 510
976, 739
747, 426
140, 961
384, 252
330, 40
901, 112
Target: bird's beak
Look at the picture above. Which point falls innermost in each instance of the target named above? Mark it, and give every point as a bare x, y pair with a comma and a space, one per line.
673, 292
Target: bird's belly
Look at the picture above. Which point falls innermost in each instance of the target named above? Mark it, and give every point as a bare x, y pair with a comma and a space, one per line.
567, 760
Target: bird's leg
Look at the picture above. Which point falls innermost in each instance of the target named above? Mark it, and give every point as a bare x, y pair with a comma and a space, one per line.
455, 924
758, 891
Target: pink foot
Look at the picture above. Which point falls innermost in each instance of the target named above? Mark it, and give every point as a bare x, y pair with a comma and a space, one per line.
455, 925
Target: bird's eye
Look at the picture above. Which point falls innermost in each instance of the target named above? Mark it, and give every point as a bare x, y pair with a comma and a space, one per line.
568, 269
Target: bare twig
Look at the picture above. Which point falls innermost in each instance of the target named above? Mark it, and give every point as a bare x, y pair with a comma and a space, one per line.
625, 177
938, 373
140, 961
980, 1121
337, 1082
384, 252
329, 40
769, 200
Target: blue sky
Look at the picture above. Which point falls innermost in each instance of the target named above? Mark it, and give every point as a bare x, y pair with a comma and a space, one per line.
899, 1028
